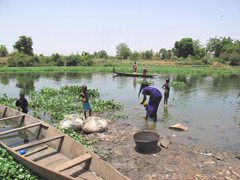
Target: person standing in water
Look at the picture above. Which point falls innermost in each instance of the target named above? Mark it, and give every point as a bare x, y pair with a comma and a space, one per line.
83, 96
166, 88
154, 100
22, 103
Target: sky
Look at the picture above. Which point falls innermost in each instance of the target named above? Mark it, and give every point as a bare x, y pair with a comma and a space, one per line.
72, 26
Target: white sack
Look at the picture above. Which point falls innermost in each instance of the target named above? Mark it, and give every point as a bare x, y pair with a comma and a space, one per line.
94, 124
72, 121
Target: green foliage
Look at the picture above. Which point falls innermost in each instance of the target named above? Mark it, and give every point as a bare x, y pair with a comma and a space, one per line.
184, 48
108, 65
205, 61
224, 56
73, 60
199, 51
150, 83
78, 138
134, 55
21, 60
221, 45
86, 59
165, 54
101, 106
11, 169
56, 59
24, 45
123, 50
147, 54
56, 104
177, 84
234, 59
3, 51
10, 102
102, 54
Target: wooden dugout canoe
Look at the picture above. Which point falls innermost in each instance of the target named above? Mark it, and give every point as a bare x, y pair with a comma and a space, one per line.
135, 75
52, 154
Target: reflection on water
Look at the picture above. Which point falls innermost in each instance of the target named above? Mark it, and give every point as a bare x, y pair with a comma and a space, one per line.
207, 104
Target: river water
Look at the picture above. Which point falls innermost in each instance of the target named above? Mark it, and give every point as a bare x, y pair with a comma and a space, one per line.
208, 103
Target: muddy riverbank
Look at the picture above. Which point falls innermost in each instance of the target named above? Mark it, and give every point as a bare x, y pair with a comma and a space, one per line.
175, 161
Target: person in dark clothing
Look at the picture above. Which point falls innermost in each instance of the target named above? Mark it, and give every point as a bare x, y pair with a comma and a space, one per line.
166, 88
22, 103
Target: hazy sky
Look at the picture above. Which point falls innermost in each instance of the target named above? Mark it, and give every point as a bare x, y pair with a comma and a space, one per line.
71, 26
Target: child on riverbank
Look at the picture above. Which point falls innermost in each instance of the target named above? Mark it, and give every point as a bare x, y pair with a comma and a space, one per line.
83, 96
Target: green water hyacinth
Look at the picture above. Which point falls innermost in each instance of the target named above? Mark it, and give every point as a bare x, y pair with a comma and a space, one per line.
11, 169
52, 105
10, 102
177, 84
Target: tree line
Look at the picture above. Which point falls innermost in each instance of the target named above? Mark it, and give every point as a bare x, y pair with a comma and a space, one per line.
226, 50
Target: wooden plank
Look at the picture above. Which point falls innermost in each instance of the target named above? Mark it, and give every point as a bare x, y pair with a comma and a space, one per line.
4, 113
21, 128
73, 162
11, 117
35, 143
34, 151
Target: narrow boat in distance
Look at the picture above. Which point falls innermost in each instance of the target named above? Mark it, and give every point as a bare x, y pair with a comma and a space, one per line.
134, 74
51, 154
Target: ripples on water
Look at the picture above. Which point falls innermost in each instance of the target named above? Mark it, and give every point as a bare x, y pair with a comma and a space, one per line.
207, 104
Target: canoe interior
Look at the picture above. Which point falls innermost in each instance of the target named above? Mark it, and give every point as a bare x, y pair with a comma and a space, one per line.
52, 154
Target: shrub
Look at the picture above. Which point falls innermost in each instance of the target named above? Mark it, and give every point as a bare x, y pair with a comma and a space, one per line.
224, 56
205, 61
234, 59
21, 60
73, 60
3, 51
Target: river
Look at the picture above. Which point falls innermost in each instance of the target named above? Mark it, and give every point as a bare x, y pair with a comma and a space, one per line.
208, 103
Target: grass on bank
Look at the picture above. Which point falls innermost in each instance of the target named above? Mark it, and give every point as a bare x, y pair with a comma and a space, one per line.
127, 69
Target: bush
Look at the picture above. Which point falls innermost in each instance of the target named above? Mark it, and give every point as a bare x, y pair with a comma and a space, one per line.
3, 51
22, 60
56, 59
86, 60
224, 56
73, 60
234, 59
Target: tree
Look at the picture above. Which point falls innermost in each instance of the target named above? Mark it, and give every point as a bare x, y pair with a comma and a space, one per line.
148, 54
102, 54
3, 51
184, 48
163, 53
123, 50
134, 55
24, 45
199, 50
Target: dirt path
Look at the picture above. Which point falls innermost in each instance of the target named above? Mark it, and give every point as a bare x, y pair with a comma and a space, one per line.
176, 162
